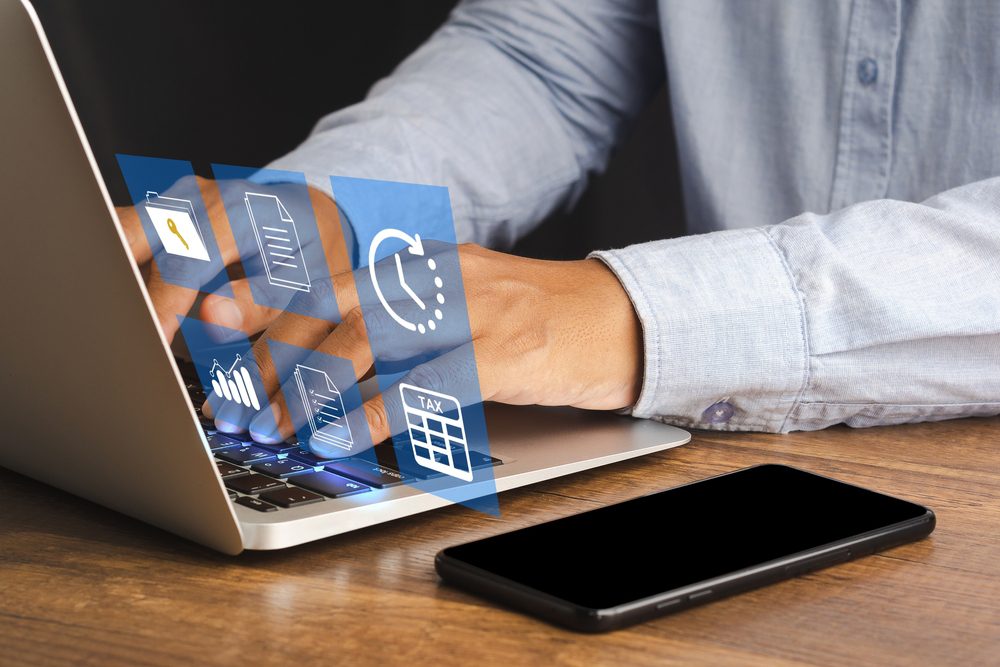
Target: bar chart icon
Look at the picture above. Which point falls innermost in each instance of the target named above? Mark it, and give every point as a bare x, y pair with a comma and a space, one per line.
234, 384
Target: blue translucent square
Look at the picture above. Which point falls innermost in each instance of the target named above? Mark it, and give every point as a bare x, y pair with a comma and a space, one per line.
228, 371
282, 250
322, 397
412, 297
169, 204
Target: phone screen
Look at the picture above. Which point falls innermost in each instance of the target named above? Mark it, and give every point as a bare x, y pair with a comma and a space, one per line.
647, 546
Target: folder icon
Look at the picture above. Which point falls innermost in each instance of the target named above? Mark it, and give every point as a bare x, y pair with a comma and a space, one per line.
176, 226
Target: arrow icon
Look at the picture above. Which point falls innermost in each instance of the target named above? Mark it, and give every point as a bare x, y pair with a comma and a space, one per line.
415, 247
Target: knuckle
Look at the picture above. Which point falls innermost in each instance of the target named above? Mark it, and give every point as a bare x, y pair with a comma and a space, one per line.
426, 376
376, 416
265, 365
186, 183
318, 302
352, 327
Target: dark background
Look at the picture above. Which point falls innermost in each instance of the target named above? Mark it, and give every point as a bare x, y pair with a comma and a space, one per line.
244, 81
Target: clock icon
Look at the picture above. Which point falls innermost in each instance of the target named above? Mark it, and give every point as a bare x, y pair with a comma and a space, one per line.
414, 247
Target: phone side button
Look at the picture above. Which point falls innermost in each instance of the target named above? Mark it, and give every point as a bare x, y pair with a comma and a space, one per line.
818, 562
667, 604
699, 595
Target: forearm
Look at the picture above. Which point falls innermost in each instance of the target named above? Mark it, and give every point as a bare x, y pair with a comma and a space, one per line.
510, 105
883, 312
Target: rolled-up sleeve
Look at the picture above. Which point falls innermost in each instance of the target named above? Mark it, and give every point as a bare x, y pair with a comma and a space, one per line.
883, 312
511, 105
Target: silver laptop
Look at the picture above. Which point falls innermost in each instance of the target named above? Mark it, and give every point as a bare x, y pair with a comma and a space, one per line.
95, 403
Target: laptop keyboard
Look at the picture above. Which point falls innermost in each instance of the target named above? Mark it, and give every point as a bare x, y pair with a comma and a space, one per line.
269, 478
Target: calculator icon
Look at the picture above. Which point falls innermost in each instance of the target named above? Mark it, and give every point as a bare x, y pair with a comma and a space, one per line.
437, 433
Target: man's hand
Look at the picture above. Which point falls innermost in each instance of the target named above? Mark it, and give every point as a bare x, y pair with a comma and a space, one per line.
549, 333
238, 312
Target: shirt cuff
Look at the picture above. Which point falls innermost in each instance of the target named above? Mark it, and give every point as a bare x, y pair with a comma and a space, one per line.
724, 330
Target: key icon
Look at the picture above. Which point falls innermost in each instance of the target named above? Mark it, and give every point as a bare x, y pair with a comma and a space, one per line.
176, 226
172, 226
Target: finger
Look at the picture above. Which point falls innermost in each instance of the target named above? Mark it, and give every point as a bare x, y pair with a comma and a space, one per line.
139, 245
270, 425
397, 344
455, 374
302, 331
169, 302
239, 313
271, 419
331, 232
350, 340
192, 188
231, 417
347, 341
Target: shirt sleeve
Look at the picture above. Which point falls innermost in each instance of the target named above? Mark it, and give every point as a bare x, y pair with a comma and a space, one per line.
512, 104
884, 312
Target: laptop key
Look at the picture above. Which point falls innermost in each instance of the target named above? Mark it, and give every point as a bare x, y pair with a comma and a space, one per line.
242, 437
255, 504
227, 470
253, 483
291, 497
218, 441
245, 455
302, 456
282, 468
281, 447
372, 474
329, 484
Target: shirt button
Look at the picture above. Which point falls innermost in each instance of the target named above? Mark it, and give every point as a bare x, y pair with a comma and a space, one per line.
719, 413
867, 71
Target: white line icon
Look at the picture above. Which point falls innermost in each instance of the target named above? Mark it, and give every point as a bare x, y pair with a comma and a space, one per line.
278, 242
324, 407
415, 247
177, 226
234, 384
437, 431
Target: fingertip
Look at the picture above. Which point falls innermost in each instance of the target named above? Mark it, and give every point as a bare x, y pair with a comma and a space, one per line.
326, 450
265, 427
169, 325
378, 425
224, 426
232, 418
222, 312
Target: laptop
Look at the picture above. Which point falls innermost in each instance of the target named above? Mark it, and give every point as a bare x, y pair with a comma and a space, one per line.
96, 404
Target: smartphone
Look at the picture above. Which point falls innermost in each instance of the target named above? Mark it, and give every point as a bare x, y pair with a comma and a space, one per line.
661, 553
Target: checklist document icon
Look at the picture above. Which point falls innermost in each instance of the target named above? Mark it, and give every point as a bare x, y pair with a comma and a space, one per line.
324, 407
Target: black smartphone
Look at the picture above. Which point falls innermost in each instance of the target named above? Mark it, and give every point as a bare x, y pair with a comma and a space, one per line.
618, 565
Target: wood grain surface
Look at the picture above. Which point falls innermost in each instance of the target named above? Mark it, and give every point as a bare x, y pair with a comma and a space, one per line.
82, 585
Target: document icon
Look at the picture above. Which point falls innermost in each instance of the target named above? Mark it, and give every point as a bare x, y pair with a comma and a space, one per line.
324, 407
437, 432
278, 241
177, 226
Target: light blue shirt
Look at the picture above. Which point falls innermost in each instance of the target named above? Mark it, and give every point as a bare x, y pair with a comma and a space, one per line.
839, 163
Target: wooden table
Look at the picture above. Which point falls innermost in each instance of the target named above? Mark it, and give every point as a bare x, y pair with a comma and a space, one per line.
82, 585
